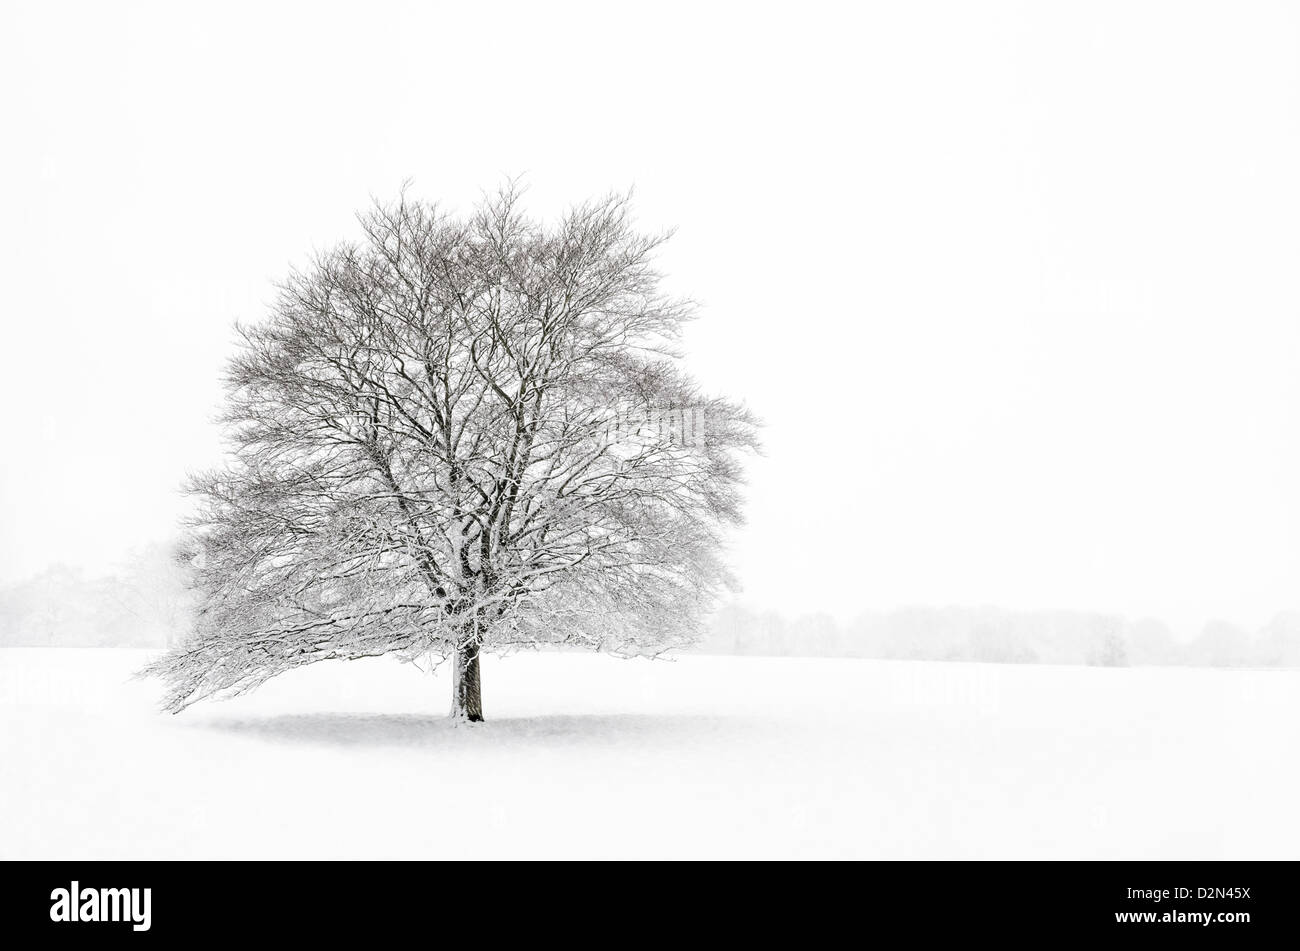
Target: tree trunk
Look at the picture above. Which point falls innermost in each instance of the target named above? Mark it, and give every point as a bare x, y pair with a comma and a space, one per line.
466, 698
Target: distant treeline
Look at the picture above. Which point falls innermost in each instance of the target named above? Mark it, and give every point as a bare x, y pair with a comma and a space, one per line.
142, 605
145, 604
997, 636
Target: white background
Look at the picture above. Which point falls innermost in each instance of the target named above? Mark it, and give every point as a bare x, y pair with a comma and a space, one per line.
1013, 285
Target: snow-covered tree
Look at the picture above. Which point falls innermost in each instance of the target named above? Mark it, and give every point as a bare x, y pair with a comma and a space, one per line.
460, 435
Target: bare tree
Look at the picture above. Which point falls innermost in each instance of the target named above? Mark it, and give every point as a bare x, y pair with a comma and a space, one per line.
457, 436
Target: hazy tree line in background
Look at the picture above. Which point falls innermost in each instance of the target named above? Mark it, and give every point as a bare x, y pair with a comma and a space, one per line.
992, 635
145, 604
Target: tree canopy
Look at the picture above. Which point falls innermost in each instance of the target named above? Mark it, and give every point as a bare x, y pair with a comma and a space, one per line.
457, 435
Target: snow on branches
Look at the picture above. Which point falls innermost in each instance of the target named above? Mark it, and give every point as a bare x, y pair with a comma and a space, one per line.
460, 435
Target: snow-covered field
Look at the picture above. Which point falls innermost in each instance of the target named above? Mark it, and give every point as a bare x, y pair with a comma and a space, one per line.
587, 756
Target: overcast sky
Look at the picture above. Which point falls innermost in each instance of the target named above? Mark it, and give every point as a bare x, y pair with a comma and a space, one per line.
1014, 286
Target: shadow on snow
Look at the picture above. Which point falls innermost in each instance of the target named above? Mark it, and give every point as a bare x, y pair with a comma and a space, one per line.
429, 731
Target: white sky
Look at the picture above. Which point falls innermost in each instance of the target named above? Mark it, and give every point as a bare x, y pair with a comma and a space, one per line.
1014, 285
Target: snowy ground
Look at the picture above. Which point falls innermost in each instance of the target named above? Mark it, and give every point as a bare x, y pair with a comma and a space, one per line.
588, 756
